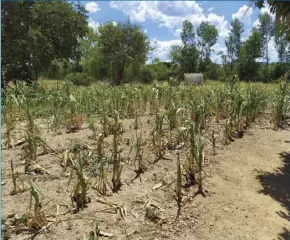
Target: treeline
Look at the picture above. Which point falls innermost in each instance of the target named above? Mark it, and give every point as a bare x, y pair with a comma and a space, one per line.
249, 59
118, 52
53, 40
242, 56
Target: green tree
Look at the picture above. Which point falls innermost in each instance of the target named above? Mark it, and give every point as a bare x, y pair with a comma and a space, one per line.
281, 42
225, 63
249, 52
266, 29
188, 33
133, 71
233, 42
36, 33
123, 44
98, 65
15, 21
160, 70
187, 55
86, 46
283, 49
281, 10
208, 36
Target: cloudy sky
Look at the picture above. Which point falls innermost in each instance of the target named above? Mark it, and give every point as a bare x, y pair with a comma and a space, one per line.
162, 20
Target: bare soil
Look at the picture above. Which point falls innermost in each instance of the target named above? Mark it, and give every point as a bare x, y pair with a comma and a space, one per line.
247, 193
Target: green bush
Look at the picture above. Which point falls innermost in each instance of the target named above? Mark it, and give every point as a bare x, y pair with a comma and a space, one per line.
80, 79
279, 70
161, 71
132, 72
146, 75
213, 72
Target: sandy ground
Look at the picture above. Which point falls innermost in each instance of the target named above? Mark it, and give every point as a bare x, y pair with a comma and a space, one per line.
250, 189
247, 188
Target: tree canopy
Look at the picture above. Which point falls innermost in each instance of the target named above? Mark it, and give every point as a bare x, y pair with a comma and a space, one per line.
36, 33
123, 44
208, 35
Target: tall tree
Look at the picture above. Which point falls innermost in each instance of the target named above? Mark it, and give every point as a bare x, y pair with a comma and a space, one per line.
281, 42
187, 55
233, 42
249, 52
123, 44
281, 10
225, 63
36, 33
266, 29
15, 21
208, 35
188, 33
87, 45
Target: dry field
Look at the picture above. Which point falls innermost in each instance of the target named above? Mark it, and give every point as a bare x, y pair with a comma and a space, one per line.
146, 162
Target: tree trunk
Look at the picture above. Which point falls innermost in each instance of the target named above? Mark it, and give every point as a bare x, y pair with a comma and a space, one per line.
120, 75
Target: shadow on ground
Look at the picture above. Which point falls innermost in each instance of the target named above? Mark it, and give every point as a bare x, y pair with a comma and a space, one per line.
277, 185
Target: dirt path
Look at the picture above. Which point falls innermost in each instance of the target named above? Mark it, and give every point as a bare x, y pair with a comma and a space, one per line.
251, 190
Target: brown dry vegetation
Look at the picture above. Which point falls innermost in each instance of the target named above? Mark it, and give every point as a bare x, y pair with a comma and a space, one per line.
244, 168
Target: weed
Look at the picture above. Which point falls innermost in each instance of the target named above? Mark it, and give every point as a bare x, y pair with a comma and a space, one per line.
157, 136
116, 156
79, 193
38, 218
16, 188
281, 101
93, 127
213, 141
138, 161
199, 153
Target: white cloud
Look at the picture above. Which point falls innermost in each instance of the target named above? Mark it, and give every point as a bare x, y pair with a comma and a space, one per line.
243, 14
162, 49
256, 23
220, 22
179, 8
210, 9
219, 46
169, 14
92, 7
114, 23
177, 32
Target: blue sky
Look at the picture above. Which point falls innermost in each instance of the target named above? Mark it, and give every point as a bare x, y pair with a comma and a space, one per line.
161, 20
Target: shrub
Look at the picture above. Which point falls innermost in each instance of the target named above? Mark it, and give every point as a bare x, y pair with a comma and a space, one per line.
80, 79
214, 71
279, 70
161, 71
146, 75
